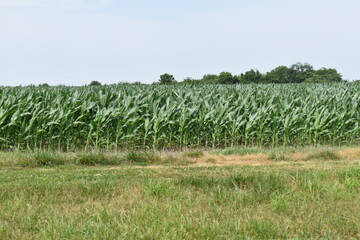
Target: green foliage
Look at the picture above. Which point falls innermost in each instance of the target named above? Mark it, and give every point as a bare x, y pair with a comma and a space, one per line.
189, 80
92, 159
166, 79
296, 73
324, 75
302, 71
252, 76
95, 83
226, 78
209, 79
143, 116
158, 188
281, 74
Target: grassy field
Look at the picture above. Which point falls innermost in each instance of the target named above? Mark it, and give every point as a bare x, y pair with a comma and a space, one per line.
248, 193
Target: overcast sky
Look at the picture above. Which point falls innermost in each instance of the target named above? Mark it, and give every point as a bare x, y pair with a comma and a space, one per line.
75, 41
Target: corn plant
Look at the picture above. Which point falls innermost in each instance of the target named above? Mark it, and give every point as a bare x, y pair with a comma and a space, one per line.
149, 116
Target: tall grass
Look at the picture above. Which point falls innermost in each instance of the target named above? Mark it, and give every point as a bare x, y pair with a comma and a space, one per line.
114, 117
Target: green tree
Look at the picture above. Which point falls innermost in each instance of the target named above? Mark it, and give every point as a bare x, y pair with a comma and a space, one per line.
252, 76
281, 74
226, 78
325, 75
301, 71
209, 79
166, 79
190, 80
95, 83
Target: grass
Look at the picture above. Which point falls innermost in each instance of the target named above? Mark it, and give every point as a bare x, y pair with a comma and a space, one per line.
93, 159
269, 202
238, 151
280, 156
193, 154
324, 155
42, 159
313, 199
142, 157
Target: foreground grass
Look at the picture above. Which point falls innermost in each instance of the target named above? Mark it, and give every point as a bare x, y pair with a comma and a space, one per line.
313, 199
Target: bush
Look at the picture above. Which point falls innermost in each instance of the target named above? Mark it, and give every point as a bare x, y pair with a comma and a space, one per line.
95, 83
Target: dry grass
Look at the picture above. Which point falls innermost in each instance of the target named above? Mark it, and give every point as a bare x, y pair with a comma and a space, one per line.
155, 159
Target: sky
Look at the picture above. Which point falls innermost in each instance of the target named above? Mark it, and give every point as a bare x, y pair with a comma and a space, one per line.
73, 42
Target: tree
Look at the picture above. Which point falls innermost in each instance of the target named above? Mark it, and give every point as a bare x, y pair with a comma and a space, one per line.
95, 83
166, 79
252, 76
325, 75
226, 78
209, 79
281, 74
190, 80
302, 71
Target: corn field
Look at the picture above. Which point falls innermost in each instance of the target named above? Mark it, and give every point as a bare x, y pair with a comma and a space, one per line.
148, 116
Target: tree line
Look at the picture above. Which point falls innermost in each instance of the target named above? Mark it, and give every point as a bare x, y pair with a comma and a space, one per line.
296, 73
